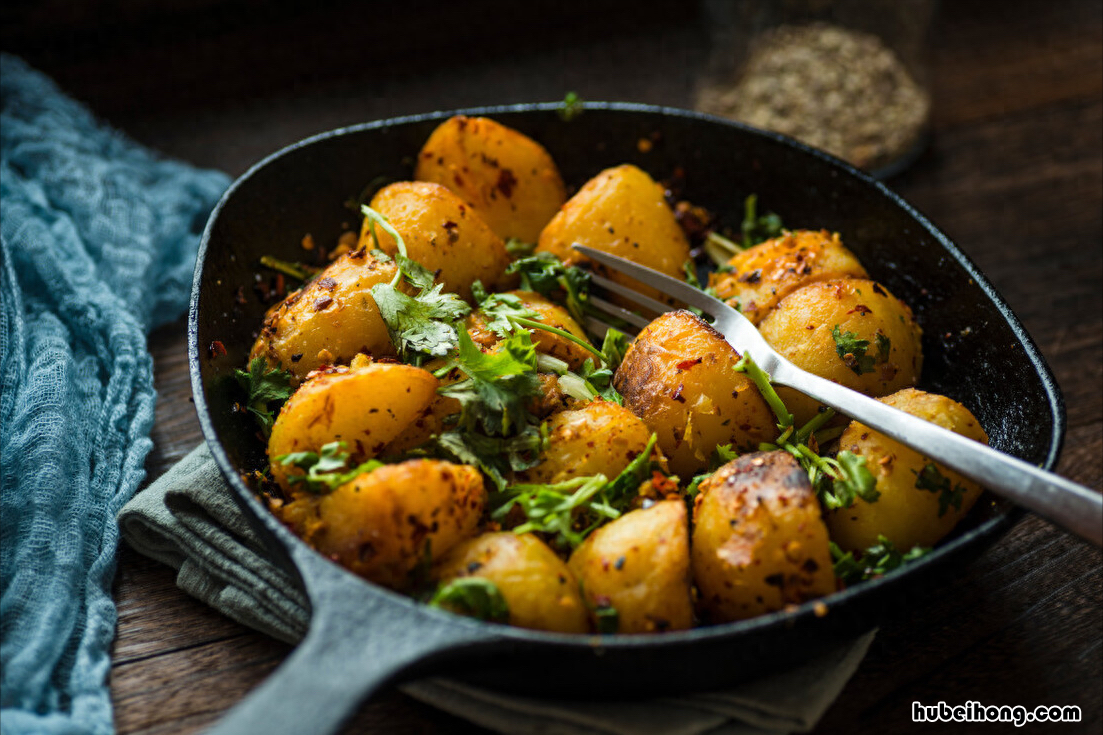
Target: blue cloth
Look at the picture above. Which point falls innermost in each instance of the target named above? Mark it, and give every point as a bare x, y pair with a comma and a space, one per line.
97, 244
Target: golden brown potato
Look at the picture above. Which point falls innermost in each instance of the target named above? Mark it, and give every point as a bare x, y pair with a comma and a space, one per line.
759, 543
599, 437
385, 522
507, 177
549, 313
763, 275
918, 506
639, 565
679, 378
542, 593
623, 212
330, 320
804, 325
441, 232
366, 407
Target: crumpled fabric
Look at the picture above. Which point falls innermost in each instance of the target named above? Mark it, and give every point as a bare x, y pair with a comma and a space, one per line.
97, 245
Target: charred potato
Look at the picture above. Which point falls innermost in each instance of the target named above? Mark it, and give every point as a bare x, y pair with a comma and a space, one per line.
600, 437
329, 321
441, 232
386, 522
761, 276
851, 331
638, 565
365, 407
759, 543
539, 589
623, 212
679, 377
920, 501
507, 177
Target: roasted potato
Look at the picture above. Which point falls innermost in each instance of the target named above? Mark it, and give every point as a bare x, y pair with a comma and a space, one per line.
851, 331
541, 591
759, 543
623, 212
330, 320
548, 312
366, 407
679, 377
441, 232
386, 522
761, 276
638, 564
599, 437
508, 178
921, 501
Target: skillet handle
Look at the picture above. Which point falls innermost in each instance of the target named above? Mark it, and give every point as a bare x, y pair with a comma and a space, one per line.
360, 639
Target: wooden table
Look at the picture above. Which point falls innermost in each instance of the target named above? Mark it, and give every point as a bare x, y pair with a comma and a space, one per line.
1014, 174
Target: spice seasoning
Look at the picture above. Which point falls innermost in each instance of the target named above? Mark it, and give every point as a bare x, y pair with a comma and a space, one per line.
831, 87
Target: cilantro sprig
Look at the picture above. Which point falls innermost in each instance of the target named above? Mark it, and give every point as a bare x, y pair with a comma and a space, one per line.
476, 597
266, 388
327, 470
876, 561
931, 480
569, 511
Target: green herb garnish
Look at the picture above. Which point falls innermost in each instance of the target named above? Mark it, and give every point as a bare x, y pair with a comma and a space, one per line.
607, 618
571, 108
267, 390
852, 351
876, 561
931, 480
475, 597
325, 471
756, 228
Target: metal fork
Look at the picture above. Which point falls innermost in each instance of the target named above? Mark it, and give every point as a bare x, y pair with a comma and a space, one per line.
1051, 496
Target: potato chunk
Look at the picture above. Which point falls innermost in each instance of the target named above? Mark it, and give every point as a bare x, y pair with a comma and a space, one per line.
921, 501
600, 437
758, 541
763, 275
638, 564
329, 321
853, 332
507, 177
441, 232
679, 377
366, 407
623, 212
385, 522
542, 593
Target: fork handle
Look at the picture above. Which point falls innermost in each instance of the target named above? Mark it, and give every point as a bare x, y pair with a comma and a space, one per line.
1051, 496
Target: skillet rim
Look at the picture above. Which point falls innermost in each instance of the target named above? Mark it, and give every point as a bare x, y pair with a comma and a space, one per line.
975, 538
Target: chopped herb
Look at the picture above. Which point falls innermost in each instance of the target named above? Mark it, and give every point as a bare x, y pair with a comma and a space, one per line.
607, 618
301, 271
518, 248
876, 561
856, 482
547, 275
757, 228
572, 107
600, 381
267, 390
690, 269
501, 310
325, 471
614, 347
475, 597
720, 457
931, 480
884, 346
852, 351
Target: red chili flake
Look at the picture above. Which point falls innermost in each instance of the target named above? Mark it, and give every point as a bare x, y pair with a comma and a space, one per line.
239, 296
861, 309
677, 394
322, 303
687, 364
216, 349
327, 283
280, 286
506, 182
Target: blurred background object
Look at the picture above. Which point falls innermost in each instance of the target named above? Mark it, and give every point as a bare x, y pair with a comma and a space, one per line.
846, 76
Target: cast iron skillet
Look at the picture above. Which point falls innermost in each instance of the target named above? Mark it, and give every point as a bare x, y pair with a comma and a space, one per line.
362, 636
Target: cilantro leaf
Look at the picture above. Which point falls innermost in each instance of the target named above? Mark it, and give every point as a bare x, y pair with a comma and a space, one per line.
852, 351
884, 345
571, 108
614, 347
423, 325
475, 597
518, 248
876, 561
265, 388
325, 471
855, 481
548, 276
607, 618
758, 228
931, 480
502, 310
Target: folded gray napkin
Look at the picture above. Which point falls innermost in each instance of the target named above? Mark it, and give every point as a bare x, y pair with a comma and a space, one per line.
189, 520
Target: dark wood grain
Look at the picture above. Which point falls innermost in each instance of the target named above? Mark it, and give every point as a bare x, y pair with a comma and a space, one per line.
1014, 174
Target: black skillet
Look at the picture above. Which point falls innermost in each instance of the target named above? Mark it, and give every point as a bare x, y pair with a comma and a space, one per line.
361, 636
